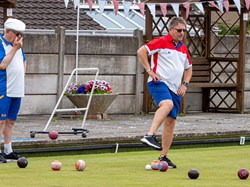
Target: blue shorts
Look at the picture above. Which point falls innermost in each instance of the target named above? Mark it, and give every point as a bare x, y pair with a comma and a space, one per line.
9, 107
160, 91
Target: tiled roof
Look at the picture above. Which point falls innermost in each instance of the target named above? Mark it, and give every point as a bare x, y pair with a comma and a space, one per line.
48, 14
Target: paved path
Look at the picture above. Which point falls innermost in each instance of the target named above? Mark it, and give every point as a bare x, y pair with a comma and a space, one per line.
130, 126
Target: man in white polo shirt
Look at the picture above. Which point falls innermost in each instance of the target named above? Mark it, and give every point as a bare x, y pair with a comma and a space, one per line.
169, 72
12, 72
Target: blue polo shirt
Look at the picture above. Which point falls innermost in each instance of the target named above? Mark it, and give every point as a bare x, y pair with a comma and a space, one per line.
3, 72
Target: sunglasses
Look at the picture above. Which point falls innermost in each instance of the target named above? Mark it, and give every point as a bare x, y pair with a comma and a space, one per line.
16, 33
180, 30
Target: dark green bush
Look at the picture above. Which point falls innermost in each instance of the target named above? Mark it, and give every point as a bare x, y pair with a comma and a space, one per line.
235, 30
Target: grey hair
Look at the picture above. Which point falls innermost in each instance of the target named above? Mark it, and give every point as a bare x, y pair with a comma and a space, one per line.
175, 21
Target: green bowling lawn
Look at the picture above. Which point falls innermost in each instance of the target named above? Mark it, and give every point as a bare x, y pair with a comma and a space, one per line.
218, 167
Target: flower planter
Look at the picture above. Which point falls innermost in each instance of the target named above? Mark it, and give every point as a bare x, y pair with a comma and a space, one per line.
99, 103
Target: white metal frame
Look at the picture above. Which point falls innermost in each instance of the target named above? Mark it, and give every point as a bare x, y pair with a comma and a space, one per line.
75, 71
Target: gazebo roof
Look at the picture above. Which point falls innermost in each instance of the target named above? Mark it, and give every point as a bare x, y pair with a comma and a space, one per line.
7, 3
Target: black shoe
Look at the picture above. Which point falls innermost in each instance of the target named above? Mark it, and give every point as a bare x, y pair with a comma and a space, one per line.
2, 159
170, 164
12, 156
151, 141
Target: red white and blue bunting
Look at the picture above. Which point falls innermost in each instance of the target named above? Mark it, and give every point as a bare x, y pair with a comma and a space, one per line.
221, 5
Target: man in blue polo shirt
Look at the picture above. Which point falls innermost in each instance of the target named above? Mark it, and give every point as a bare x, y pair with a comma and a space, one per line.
12, 72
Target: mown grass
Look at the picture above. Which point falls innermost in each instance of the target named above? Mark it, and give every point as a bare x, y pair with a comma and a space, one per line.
218, 166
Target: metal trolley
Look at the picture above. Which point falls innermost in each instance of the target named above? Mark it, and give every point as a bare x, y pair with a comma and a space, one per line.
74, 131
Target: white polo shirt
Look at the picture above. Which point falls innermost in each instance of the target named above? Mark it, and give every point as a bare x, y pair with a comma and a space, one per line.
13, 82
168, 61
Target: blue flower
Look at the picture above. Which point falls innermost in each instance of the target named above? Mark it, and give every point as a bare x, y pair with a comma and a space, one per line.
81, 89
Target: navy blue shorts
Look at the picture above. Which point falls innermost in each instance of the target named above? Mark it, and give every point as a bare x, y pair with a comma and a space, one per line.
9, 107
160, 91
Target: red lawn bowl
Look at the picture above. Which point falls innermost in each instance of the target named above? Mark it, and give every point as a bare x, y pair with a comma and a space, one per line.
243, 173
53, 135
163, 166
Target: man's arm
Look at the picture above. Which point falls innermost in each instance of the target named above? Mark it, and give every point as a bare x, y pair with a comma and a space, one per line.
188, 75
7, 59
142, 54
143, 57
186, 78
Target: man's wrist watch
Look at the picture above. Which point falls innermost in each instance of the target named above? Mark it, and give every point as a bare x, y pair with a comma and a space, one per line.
186, 84
148, 70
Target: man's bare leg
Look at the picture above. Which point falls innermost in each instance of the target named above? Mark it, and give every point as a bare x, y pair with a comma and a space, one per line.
167, 139
160, 116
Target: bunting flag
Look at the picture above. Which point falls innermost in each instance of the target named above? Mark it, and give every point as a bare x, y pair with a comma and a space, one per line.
126, 5
151, 7
76, 3
66, 2
187, 7
101, 5
237, 3
226, 5
213, 4
164, 8
200, 7
220, 5
116, 5
247, 4
142, 8
90, 3
176, 8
